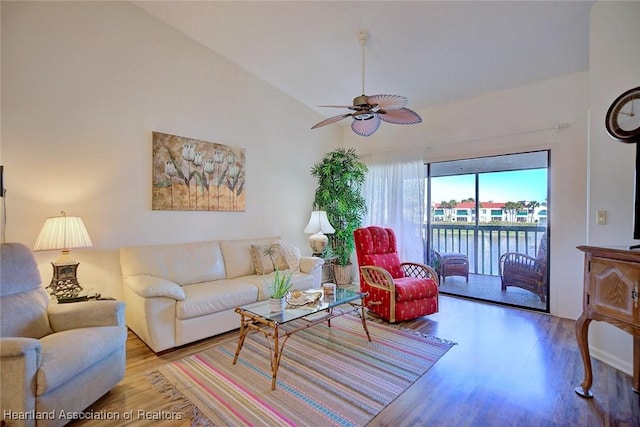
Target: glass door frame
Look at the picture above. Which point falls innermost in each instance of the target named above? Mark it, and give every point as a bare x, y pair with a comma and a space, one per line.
428, 226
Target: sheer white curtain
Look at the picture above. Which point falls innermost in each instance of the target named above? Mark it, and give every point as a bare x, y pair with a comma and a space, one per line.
394, 193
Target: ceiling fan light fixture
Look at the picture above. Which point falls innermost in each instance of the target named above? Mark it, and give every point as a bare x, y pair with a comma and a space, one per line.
365, 115
366, 127
370, 110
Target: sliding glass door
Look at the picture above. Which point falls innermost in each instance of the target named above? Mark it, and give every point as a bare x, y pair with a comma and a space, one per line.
487, 227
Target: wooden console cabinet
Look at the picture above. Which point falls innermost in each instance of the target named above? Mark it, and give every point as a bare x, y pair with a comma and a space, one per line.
611, 281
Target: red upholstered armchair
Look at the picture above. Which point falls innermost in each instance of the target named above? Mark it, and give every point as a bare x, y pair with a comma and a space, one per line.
397, 291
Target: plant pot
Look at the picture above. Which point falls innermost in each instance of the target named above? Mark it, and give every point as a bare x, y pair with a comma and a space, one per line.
276, 305
342, 274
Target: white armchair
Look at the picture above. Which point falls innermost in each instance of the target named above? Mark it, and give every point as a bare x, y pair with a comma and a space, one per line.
54, 359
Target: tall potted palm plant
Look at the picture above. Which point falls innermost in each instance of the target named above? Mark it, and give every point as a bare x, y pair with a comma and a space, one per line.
341, 175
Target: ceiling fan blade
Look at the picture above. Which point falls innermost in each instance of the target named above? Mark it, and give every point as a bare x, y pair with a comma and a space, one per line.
366, 127
337, 106
387, 102
331, 120
403, 116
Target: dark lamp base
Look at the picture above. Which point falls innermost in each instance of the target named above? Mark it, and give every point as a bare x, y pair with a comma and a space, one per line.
64, 283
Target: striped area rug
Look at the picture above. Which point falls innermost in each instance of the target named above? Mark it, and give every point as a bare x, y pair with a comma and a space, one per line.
328, 376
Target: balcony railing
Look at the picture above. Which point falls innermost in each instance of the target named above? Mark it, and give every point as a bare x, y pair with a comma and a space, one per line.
484, 244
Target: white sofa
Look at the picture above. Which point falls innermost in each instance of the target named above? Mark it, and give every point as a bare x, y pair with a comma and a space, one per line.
180, 293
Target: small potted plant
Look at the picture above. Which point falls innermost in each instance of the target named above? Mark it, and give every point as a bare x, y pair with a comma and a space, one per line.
278, 289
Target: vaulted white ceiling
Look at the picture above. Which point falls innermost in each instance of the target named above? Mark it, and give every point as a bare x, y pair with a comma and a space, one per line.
432, 52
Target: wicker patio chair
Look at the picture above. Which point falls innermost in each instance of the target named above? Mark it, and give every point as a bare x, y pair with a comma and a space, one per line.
526, 272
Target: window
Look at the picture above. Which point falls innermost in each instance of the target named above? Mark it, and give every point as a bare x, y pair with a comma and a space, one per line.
511, 194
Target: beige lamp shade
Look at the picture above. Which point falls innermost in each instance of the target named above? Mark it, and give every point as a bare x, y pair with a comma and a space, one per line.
318, 225
64, 233
318, 222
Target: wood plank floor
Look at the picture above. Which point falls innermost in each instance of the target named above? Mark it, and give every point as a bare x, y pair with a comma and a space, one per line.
510, 368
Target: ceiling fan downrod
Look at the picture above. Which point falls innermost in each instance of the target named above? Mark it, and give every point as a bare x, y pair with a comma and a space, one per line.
361, 101
362, 38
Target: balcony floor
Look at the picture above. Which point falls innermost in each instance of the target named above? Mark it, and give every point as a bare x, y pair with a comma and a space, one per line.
487, 288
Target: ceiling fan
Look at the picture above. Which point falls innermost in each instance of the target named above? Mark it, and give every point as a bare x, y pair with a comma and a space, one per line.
368, 111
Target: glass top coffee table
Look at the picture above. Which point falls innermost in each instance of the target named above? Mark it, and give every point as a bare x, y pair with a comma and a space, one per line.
258, 317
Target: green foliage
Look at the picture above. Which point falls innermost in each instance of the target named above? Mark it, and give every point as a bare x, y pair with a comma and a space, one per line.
280, 285
341, 176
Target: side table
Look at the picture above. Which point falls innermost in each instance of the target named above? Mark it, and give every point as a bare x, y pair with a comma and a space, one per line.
328, 275
96, 297
86, 294
453, 264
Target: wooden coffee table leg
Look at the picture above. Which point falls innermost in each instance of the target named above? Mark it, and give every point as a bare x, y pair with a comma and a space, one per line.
363, 317
276, 354
275, 358
243, 334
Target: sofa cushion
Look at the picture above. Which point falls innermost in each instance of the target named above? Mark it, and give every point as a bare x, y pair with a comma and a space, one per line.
291, 253
265, 263
390, 262
25, 314
184, 263
64, 358
151, 286
413, 288
212, 297
237, 255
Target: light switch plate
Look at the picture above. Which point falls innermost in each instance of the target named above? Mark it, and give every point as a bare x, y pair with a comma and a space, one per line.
601, 217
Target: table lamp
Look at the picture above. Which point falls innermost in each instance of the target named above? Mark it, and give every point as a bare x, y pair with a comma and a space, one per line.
64, 233
318, 225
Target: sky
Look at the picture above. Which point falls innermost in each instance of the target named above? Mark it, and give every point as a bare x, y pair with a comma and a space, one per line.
512, 186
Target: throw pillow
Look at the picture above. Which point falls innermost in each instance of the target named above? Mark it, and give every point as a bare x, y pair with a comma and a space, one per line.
291, 253
265, 262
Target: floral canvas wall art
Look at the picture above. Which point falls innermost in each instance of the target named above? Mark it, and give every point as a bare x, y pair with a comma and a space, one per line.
194, 175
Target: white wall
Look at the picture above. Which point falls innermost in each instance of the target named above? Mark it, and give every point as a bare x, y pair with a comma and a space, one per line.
614, 68
83, 86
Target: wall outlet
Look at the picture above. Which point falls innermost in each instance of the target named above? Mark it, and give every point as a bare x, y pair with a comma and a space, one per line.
601, 217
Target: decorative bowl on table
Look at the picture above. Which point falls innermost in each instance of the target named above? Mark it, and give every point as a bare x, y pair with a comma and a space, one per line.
300, 298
